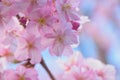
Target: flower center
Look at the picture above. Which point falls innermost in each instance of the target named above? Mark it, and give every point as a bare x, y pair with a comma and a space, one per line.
60, 39
34, 2
101, 74
7, 3
66, 7
30, 45
81, 78
42, 21
22, 78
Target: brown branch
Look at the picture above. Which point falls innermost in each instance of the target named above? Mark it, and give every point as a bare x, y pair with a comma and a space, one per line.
27, 64
46, 68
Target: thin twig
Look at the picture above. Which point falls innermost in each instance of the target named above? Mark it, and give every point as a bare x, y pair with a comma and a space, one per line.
46, 68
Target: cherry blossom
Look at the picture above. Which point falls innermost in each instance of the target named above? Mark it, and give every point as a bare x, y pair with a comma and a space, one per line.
42, 18
6, 52
67, 9
61, 39
21, 73
104, 72
29, 46
87, 69
30, 27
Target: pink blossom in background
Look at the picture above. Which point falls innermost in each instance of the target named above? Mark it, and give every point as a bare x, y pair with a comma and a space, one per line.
21, 73
104, 72
79, 68
6, 52
67, 9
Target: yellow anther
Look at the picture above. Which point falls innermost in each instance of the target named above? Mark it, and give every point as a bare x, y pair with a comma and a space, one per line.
22, 78
42, 21
66, 7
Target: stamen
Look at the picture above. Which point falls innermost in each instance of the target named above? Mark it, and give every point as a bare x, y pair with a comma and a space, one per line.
42, 21
66, 7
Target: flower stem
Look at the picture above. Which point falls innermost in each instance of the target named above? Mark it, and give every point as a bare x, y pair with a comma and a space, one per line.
46, 68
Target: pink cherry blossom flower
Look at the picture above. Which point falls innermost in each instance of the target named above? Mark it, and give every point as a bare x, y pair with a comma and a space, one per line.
74, 68
33, 4
29, 47
11, 8
61, 39
77, 73
11, 30
3, 16
42, 18
67, 9
85, 69
6, 52
75, 59
21, 73
104, 72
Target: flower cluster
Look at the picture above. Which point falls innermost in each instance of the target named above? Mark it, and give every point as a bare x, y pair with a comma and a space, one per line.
78, 68
21, 73
28, 27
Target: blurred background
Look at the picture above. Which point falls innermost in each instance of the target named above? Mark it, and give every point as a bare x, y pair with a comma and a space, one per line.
100, 38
